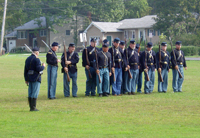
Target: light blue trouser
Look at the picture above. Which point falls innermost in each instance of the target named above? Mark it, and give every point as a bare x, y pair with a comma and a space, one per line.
162, 86
66, 84
139, 84
105, 82
116, 86
33, 89
52, 80
130, 84
177, 81
90, 82
149, 85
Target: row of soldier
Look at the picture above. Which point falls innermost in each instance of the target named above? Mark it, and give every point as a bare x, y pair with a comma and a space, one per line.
120, 68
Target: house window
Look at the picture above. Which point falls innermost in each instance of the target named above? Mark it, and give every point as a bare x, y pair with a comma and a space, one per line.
159, 33
126, 34
21, 34
133, 34
67, 32
43, 33
152, 31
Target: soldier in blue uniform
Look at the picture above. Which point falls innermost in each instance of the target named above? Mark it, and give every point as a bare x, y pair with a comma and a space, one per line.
132, 64
32, 75
90, 82
122, 46
148, 64
163, 68
117, 69
139, 83
52, 69
72, 60
104, 70
181, 62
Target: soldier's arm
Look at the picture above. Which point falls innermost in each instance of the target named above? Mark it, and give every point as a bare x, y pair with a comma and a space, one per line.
84, 62
50, 59
124, 58
157, 60
172, 59
63, 60
76, 59
184, 61
25, 73
38, 65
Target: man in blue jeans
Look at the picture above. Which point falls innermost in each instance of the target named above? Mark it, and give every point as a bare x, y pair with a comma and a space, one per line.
69, 66
88, 54
117, 57
178, 65
52, 69
32, 75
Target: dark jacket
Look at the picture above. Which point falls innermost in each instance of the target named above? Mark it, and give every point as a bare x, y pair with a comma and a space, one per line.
180, 58
133, 59
165, 62
90, 54
150, 60
51, 59
74, 58
32, 64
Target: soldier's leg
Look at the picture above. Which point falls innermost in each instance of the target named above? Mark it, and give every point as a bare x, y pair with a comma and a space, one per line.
175, 80
180, 80
49, 77
74, 84
106, 81
94, 83
139, 84
99, 85
88, 83
66, 85
114, 84
54, 80
29, 94
127, 83
165, 79
146, 84
152, 80
160, 89
119, 81
34, 96
134, 80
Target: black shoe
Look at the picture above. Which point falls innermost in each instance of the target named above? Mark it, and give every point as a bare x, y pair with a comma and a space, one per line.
132, 93
29, 102
33, 104
100, 95
129, 93
75, 96
164, 91
54, 97
105, 94
93, 95
51, 98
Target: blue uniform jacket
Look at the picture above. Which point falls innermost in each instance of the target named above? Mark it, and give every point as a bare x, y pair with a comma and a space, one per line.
133, 59
119, 57
73, 58
90, 54
32, 63
165, 62
180, 58
150, 60
51, 59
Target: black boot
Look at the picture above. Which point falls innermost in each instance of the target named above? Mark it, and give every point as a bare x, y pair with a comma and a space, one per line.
29, 102
33, 104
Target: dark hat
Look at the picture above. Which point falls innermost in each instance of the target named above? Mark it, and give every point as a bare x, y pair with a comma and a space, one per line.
163, 44
35, 49
71, 45
54, 44
117, 40
105, 41
178, 42
137, 46
105, 45
132, 41
122, 43
92, 40
149, 44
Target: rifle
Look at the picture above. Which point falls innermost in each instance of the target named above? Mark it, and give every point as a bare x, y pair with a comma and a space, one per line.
145, 63
129, 73
50, 49
86, 56
97, 65
65, 53
160, 65
140, 44
180, 75
113, 54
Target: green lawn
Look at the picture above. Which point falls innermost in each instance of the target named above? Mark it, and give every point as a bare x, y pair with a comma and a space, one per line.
154, 116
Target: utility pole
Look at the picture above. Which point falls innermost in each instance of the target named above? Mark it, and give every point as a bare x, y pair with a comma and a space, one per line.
3, 26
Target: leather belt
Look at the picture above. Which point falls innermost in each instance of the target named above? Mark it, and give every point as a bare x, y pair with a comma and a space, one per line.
103, 67
133, 63
149, 63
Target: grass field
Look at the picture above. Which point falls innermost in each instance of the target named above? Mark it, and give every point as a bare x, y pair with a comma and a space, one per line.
157, 115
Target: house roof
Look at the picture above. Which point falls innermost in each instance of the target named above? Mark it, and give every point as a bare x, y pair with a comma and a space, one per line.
144, 22
13, 34
105, 26
33, 24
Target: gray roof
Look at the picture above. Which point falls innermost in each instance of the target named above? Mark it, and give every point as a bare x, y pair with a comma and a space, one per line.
144, 22
33, 24
13, 34
106, 26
